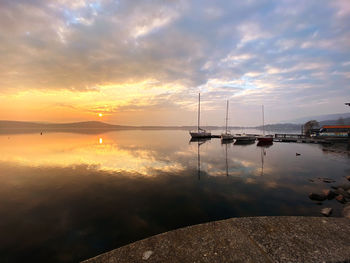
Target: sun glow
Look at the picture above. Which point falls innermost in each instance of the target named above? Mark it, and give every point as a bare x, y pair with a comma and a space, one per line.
100, 114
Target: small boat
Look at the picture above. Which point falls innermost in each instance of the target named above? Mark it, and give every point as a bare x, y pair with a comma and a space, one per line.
200, 133
244, 137
265, 138
227, 135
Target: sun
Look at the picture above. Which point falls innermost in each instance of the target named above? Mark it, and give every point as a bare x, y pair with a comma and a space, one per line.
100, 114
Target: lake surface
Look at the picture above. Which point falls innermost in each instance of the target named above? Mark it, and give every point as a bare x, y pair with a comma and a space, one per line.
65, 197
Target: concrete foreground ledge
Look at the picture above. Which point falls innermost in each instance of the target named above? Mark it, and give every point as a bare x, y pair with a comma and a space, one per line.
251, 239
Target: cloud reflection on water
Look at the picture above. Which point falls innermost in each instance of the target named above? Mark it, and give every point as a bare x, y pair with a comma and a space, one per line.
66, 197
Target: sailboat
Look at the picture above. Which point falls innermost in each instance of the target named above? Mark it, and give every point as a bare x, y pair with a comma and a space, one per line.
244, 138
200, 133
227, 135
266, 139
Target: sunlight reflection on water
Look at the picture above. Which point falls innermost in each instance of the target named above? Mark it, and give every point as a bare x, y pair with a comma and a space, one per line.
77, 195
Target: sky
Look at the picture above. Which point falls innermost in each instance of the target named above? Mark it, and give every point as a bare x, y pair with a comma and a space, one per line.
143, 62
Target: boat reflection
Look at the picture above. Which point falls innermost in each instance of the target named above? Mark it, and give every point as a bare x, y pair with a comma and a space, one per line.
264, 144
263, 154
199, 141
226, 141
226, 162
245, 142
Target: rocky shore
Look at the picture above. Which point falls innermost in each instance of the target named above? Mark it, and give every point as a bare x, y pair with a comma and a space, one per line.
340, 193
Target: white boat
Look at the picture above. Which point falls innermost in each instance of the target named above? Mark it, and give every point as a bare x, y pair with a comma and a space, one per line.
244, 137
200, 133
227, 135
267, 139
244, 142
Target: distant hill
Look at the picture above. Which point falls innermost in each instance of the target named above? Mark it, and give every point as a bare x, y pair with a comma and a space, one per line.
345, 121
283, 127
10, 127
320, 118
297, 127
95, 127
91, 125
35, 125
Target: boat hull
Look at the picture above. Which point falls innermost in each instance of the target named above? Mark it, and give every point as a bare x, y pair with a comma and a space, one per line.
200, 134
227, 137
245, 138
265, 139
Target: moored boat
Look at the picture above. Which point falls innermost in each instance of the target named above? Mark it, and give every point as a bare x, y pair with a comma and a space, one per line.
244, 137
200, 133
264, 144
227, 135
264, 138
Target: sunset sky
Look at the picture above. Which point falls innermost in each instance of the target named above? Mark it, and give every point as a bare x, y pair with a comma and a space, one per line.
144, 62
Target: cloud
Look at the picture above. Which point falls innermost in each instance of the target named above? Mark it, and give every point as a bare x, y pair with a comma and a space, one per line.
257, 48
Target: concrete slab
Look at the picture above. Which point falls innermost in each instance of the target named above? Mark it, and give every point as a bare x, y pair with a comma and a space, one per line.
254, 239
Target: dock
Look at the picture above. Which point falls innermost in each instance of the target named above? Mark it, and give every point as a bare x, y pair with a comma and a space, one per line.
300, 138
297, 138
235, 136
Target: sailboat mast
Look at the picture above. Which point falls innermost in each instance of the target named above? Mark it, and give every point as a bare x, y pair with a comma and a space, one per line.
263, 120
226, 115
199, 110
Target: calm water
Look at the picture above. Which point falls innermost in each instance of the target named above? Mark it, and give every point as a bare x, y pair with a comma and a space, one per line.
66, 197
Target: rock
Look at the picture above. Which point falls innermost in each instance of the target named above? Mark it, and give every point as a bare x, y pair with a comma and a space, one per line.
346, 211
327, 180
326, 211
147, 254
317, 197
344, 186
340, 199
342, 192
329, 194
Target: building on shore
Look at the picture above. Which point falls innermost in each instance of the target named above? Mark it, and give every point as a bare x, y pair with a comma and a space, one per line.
335, 131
